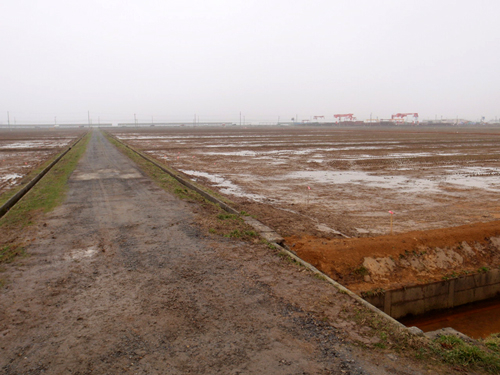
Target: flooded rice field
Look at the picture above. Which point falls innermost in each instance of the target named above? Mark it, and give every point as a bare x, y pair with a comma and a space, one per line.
21, 151
328, 191
342, 179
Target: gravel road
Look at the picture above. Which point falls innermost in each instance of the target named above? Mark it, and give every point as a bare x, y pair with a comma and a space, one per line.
119, 280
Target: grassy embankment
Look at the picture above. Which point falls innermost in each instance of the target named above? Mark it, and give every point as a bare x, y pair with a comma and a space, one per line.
445, 354
47, 194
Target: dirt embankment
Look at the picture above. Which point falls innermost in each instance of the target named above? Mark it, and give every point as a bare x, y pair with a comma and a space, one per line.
410, 258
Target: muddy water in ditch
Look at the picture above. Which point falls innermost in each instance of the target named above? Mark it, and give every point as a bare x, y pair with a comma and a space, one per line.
476, 320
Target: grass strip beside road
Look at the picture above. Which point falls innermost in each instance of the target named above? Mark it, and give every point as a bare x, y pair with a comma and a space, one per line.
5, 196
214, 219
47, 194
452, 352
134, 156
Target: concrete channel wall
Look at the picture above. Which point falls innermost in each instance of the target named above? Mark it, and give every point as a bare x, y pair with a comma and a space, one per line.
438, 295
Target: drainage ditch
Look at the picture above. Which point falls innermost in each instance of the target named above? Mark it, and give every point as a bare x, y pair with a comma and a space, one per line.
476, 320
436, 305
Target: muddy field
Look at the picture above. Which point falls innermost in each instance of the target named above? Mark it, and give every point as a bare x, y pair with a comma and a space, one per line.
342, 179
121, 279
21, 151
319, 184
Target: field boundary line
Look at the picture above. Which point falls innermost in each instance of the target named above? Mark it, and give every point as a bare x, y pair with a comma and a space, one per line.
17, 197
178, 177
274, 239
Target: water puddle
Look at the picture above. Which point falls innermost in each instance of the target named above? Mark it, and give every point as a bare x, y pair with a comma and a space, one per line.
364, 178
11, 177
34, 144
225, 186
475, 177
79, 254
476, 320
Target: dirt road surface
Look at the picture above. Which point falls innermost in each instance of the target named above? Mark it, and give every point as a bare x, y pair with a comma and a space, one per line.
119, 280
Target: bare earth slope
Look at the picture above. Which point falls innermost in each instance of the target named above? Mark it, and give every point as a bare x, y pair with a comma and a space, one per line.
120, 281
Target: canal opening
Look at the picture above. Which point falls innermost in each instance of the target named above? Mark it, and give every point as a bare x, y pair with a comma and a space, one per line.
469, 304
476, 320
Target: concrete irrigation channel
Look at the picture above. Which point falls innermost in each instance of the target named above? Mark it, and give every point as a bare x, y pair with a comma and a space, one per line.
121, 279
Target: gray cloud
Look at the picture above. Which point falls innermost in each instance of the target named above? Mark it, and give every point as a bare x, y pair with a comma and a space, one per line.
171, 59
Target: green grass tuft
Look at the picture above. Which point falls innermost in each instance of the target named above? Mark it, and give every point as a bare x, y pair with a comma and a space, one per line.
455, 351
9, 252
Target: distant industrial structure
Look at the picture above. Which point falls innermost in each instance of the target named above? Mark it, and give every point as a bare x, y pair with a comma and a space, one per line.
400, 118
349, 117
338, 119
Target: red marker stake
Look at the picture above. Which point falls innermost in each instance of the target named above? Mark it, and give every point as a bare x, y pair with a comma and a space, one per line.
392, 213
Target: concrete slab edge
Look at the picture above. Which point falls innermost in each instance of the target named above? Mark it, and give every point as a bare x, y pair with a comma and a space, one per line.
17, 197
340, 287
279, 246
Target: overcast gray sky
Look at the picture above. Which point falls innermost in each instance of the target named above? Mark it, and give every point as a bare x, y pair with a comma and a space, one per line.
175, 59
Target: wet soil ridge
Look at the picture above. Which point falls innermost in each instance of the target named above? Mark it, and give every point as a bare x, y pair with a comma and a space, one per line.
16, 197
371, 265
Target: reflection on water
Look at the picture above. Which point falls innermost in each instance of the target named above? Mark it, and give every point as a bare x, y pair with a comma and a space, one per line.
476, 320
225, 186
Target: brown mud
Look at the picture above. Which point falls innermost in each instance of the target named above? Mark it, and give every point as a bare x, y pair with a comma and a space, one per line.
405, 259
121, 280
316, 185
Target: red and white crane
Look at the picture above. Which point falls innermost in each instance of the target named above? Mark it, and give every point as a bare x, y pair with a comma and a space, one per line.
318, 117
400, 118
347, 116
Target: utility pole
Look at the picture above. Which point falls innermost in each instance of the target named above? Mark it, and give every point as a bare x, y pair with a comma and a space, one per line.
55, 120
135, 120
8, 119
240, 118
88, 117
